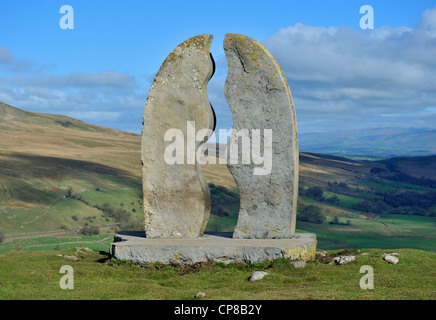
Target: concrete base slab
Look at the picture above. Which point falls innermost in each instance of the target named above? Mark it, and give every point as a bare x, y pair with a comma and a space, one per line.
219, 247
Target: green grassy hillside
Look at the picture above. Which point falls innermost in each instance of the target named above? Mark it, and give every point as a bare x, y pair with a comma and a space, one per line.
62, 177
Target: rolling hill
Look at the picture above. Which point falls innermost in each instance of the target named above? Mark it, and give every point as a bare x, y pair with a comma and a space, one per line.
60, 176
375, 142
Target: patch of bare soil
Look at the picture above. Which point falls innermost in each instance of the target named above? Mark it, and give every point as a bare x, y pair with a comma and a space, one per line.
329, 258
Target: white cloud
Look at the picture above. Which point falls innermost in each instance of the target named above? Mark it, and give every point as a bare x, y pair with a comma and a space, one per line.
6, 56
362, 73
107, 98
428, 22
10, 64
108, 79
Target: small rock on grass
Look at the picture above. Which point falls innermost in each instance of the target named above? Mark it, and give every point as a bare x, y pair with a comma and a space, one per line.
258, 275
391, 259
344, 259
321, 253
201, 295
299, 264
73, 258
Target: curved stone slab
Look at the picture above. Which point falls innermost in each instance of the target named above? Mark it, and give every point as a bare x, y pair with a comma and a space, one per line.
259, 96
176, 196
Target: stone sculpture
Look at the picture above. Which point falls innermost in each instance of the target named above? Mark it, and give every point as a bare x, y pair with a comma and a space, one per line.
259, 96
176, 196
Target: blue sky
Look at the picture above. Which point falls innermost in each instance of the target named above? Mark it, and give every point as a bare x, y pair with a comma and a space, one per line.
341, 77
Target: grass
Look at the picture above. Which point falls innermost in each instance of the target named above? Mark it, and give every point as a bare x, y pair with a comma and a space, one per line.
377, 186
387, 231
222, 224
99, 242
388, 186
89, 143
34, 199
344, 201
35, 275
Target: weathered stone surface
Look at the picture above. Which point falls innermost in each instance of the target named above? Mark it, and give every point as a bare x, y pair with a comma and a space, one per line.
391, 259
258, 275
298, 264
321, 253
344, 259
200, 295
259, 97
221, 247
176, 196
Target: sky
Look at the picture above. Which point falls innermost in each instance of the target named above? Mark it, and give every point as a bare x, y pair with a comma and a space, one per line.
342, 77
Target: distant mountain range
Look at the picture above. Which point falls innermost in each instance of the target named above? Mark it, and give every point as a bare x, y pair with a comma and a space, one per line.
374, 142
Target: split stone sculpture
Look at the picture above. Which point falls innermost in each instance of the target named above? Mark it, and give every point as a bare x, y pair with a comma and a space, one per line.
176, 196
260, 99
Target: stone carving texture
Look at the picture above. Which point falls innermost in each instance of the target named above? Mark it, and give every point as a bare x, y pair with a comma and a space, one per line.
176, 196
259, 96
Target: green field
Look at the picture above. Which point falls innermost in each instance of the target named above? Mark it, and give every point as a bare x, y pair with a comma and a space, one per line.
344, 201
387, 185
36, 275
388, 231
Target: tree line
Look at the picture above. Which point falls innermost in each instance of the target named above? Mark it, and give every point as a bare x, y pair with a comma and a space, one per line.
407, 202
397, 202
393, 174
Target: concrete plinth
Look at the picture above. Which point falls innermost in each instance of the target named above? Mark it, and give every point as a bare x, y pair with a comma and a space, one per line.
219, 247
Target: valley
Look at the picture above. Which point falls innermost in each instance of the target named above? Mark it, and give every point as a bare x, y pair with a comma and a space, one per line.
69, 183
